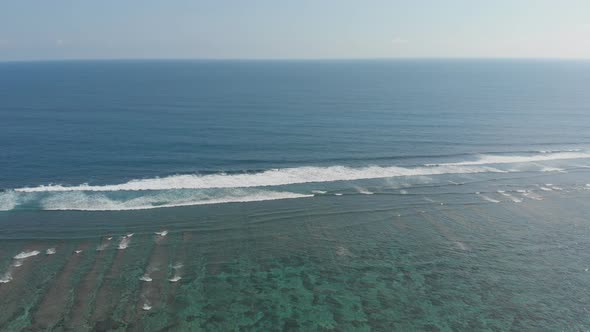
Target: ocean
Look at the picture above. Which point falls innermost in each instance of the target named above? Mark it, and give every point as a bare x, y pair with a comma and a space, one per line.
348, 195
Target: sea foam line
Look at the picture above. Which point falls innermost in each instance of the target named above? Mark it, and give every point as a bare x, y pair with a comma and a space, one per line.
306, 174
495, 159
489, 199
274, 177
98, 202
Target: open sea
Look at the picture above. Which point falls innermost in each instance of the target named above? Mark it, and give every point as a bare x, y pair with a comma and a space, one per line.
382, 195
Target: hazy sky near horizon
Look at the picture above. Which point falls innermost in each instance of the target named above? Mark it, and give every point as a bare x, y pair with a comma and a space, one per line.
80, 29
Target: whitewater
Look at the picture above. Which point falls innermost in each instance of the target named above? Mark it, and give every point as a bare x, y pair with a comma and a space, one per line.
195, 189
274, 177
308, 174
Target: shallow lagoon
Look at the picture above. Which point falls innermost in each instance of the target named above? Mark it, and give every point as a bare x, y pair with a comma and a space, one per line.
438, 257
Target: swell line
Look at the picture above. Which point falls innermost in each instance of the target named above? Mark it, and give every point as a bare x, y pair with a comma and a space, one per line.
274, 177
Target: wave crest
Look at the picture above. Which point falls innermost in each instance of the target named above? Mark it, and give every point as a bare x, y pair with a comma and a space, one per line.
274, 177
98, 202
195, 189
494, 159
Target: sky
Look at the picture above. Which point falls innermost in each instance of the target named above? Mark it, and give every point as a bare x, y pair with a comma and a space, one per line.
294, 29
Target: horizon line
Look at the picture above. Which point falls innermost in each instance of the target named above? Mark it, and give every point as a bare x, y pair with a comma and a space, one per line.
294, 59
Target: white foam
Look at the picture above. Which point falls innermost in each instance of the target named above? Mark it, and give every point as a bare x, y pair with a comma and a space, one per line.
186, 190
50, 251
495, 159
532, 195
321, 192
176, 267
18, 263
78, 251
545, 188
162, 233
552, 169
175, 279
274, 177
109, 238
6, 278
27, 254
146, 278
130, 235
8, 200
99, 202
489, 199
146, 306
124, 243
554, 151
403, 192
340, 194
364, 191
512, 198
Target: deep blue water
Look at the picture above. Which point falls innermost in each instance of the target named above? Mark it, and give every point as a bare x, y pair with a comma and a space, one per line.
112, 121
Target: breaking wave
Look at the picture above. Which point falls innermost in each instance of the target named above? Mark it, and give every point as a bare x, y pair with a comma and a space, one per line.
98, 202
274, 177
201, 189
495, 159
8, 201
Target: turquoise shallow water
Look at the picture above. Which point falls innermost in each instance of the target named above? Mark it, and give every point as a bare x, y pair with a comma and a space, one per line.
436, 258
